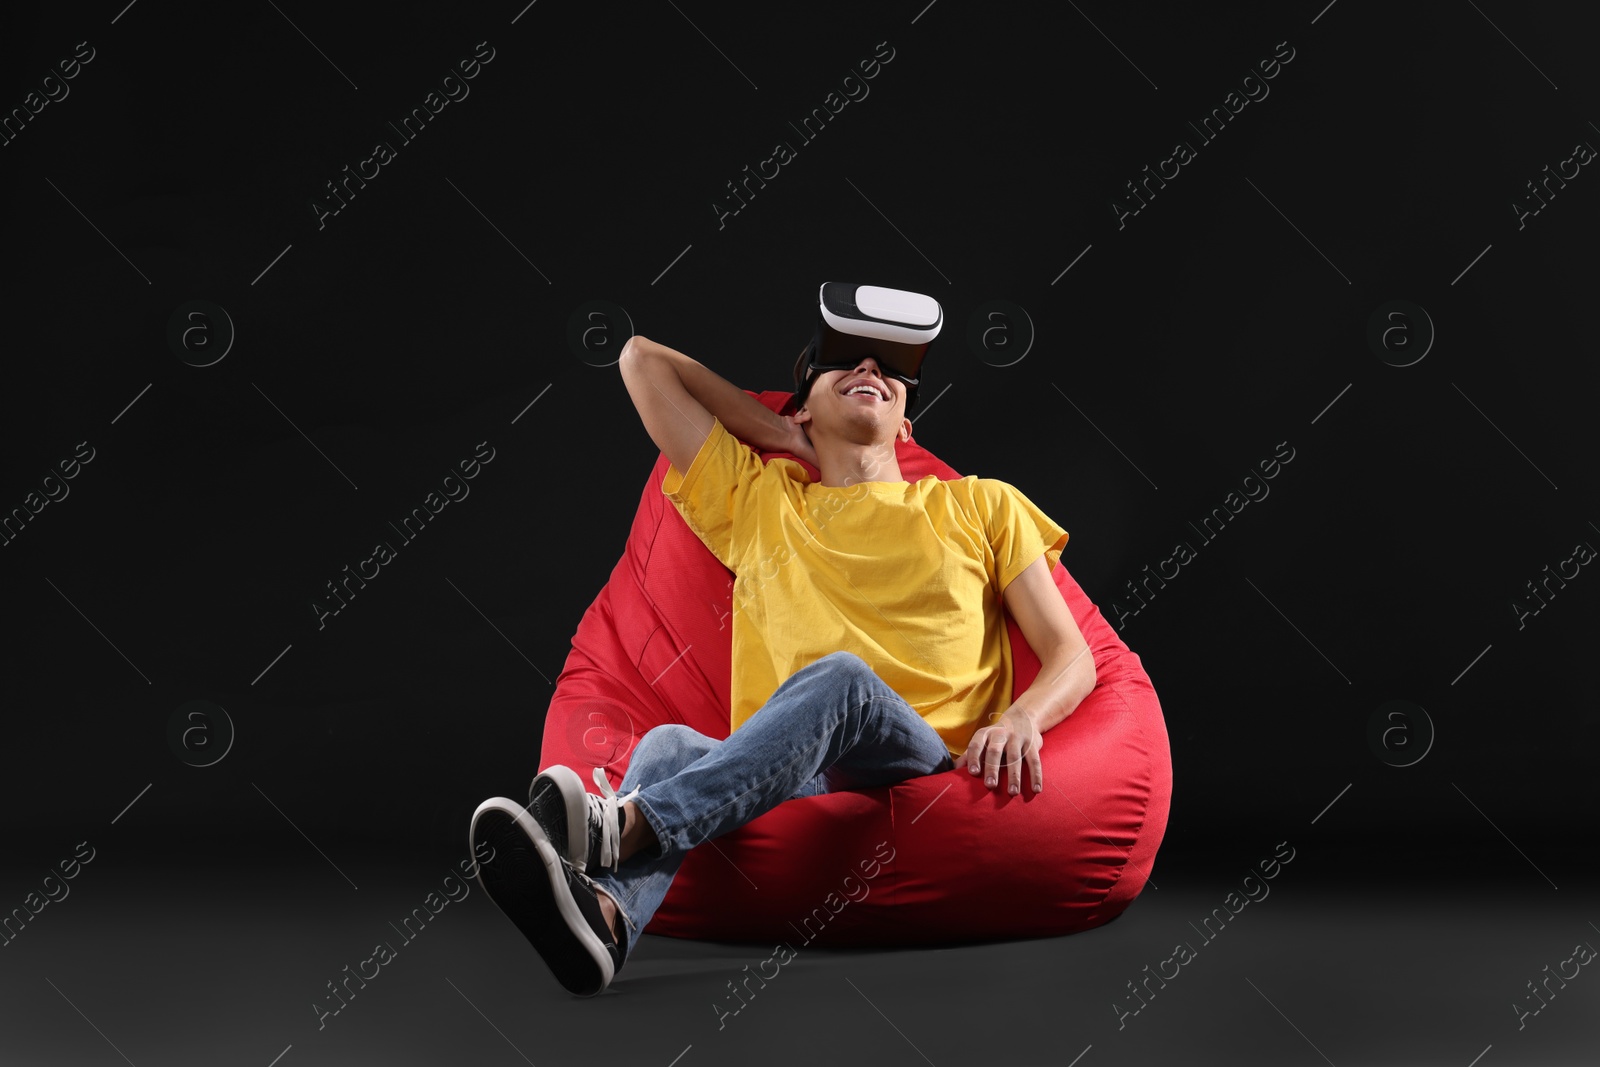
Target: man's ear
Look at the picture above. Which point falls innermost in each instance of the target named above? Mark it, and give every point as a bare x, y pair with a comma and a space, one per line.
905, 429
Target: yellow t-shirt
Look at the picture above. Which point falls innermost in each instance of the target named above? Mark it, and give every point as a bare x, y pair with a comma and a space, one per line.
907, 575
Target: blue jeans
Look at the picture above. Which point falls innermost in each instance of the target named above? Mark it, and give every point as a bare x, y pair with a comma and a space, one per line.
833, 725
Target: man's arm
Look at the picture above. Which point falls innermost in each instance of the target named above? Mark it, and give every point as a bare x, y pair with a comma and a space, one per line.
677, 396
1066, 675
1066, 667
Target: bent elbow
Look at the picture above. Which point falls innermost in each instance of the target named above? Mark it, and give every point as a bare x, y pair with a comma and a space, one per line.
637, 345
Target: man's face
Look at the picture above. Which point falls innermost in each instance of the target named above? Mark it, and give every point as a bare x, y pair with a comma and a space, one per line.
862, 404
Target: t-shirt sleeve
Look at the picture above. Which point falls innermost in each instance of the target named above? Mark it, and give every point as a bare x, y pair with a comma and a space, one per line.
713, 494
1019, 532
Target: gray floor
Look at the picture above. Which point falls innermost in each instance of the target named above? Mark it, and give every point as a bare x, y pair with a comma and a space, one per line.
1348, 960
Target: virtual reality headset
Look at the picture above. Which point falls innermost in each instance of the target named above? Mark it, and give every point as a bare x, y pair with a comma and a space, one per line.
892, 326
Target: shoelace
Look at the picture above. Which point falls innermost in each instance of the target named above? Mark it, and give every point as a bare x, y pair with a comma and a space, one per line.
607, 809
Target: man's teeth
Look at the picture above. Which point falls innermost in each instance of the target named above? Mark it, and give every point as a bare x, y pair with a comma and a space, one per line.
864, 389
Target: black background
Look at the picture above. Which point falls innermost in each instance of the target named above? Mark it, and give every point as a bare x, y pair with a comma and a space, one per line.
1229, 315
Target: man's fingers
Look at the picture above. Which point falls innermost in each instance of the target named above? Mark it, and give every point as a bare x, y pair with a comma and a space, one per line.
995, 748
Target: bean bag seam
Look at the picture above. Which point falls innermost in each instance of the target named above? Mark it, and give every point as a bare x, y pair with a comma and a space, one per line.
660, 512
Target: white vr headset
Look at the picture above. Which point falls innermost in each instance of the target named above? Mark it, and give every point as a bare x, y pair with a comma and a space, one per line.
893, 326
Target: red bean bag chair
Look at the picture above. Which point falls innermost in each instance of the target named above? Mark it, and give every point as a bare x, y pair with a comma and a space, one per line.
939, 859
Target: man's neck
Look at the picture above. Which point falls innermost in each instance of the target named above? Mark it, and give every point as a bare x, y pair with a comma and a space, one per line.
846, 463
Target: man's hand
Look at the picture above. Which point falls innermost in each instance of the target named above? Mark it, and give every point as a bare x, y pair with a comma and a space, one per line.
1013, 739
798, 443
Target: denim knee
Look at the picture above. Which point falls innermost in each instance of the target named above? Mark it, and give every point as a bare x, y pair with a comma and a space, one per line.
661, 744
846, 662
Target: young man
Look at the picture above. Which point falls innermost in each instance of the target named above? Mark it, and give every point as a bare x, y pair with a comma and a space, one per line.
867, 646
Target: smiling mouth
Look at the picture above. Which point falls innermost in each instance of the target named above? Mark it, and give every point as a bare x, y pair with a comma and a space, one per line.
866, 391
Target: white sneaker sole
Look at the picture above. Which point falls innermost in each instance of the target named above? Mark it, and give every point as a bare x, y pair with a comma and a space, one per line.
527, 881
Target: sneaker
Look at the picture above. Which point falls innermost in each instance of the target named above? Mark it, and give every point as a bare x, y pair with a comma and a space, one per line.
554, 906
584, 828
